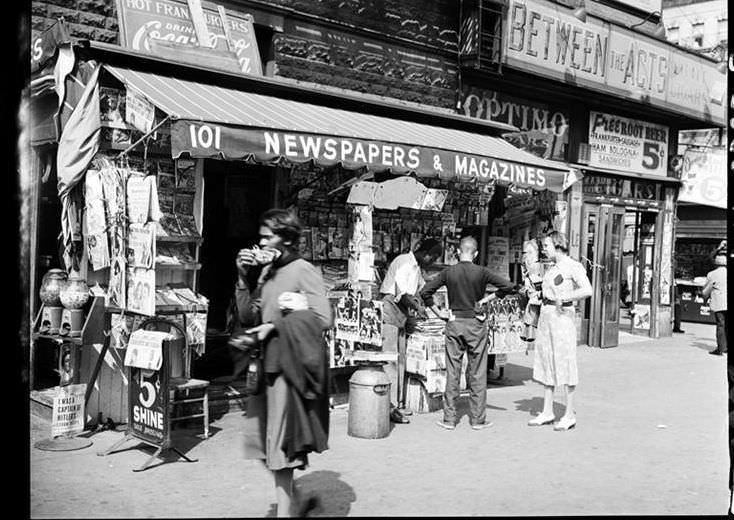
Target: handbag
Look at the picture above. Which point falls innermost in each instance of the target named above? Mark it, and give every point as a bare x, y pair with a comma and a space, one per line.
254, 376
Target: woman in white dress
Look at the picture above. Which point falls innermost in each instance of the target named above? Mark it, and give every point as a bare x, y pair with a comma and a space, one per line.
554, 364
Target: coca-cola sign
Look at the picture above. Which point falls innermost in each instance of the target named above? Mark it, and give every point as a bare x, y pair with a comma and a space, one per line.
170, 21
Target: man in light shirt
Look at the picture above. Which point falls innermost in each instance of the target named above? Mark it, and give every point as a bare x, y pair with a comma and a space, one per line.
400, 287
715, 288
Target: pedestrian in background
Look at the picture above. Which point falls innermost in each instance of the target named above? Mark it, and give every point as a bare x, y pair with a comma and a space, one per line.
554, 364
715, 290
290, 418
532, 270
466, 284
399, 293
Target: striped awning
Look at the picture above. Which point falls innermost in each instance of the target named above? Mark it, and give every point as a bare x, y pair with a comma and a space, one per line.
216, 122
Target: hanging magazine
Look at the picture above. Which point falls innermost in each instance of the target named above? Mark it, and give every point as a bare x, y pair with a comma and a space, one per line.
141, 291
141, 245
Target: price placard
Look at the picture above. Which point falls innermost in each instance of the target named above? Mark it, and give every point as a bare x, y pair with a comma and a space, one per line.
620, 143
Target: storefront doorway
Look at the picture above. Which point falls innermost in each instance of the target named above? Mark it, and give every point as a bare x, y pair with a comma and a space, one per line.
618, 253
638, 259
602, 254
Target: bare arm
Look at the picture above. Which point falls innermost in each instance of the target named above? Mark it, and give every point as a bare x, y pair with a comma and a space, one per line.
706, 291
583, 285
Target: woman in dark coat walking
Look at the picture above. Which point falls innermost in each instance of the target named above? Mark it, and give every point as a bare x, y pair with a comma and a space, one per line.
290, 417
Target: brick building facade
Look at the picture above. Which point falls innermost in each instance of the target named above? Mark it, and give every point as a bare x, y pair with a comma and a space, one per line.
413, 44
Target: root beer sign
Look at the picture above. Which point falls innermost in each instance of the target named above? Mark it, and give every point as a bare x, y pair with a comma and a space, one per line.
627, 144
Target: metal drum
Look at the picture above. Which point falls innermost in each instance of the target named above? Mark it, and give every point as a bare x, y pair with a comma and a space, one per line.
369, 403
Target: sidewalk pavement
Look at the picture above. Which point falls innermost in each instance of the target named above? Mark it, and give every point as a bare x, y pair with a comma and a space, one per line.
651, 439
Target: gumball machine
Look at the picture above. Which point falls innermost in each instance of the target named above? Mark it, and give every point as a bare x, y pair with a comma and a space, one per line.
51, 285
73, 295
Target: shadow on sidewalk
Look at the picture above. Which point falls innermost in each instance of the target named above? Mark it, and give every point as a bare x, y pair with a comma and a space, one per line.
535, 405
183, 439
336, 496
512, 375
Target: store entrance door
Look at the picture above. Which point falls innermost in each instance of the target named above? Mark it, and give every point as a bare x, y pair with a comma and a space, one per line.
638, 259
603, 243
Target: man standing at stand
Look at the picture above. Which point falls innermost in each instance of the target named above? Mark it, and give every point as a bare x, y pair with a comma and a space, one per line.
466, 284
399, 292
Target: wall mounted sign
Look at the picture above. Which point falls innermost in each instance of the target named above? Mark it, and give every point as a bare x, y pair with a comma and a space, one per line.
546, 39
626, 144
704, 177
543, 130
170, 20
622, 191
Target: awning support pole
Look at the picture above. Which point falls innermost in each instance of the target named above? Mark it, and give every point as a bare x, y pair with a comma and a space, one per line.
136, 143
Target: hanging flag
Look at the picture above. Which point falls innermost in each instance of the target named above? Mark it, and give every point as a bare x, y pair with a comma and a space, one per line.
78, 143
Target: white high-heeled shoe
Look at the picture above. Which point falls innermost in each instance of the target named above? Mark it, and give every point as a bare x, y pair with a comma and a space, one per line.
540, 420
565, 423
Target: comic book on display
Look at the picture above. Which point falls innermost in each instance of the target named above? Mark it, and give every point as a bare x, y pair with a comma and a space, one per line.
340, 351
320, 243
305, 248
141, 291
117, 290
186, 174
141, 245
187, 225
370, 324
121, 326
505, 326
183, 203
346, 319
196, 330
95, 222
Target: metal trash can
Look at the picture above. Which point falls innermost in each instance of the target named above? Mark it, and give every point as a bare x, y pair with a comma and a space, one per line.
369, 403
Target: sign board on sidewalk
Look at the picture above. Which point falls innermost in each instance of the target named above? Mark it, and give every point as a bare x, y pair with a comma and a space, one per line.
68, 410
148, 405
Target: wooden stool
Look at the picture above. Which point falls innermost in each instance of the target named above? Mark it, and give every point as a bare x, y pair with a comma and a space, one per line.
183, 385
